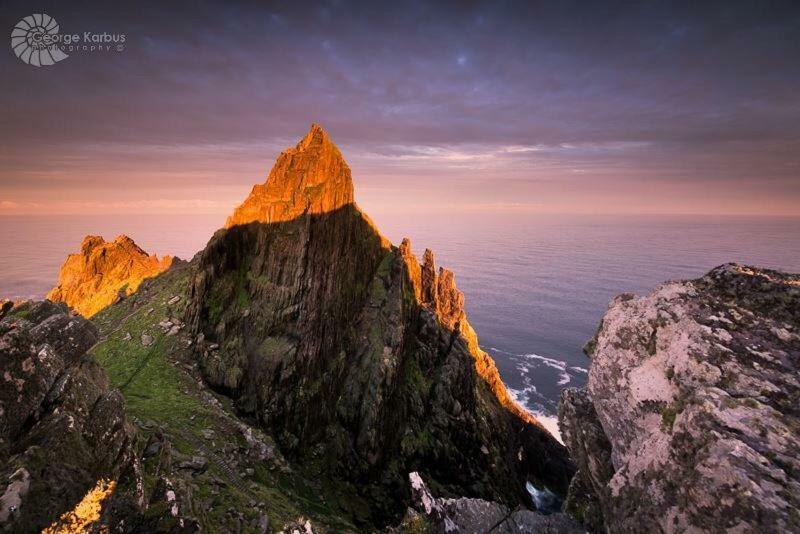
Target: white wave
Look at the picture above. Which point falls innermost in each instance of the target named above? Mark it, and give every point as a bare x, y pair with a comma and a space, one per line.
549, 422
550, 362
559, 365
564, 369
519, 395
545, 500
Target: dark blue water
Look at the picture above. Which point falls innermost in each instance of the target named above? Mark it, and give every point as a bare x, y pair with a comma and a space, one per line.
536, 285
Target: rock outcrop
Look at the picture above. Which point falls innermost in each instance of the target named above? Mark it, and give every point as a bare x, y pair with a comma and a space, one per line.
97, 275
62, 431
431, 515
356, 356
691, 419
437, 292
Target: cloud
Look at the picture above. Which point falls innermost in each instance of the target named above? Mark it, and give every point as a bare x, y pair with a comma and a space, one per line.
118, 207
669, 93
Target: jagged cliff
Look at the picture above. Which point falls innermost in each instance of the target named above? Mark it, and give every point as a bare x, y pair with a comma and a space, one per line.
358, 358
690, 420
94, 277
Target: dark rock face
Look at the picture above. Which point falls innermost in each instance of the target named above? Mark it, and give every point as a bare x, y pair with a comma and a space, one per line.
61, 429
690, 421
355, 355
589, 493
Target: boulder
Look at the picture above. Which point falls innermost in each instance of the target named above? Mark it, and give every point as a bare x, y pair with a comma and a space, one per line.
476, 516
61, 429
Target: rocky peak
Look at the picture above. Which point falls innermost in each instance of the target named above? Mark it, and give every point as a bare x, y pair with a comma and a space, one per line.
329, 336
92, 279
437, 293
429, 285
123, 242
310, 178
90, 242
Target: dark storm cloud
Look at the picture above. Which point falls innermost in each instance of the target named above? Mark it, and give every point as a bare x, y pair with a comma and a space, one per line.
670, 90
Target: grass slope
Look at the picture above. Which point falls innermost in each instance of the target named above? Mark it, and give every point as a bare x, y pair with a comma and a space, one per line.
164, 392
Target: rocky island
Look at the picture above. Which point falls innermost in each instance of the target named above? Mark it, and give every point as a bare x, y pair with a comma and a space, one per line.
300, 366
304, 374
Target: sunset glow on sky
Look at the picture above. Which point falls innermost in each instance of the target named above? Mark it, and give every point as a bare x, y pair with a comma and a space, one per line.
545, 107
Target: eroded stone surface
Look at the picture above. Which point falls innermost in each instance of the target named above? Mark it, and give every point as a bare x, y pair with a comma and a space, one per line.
695, 388
61, 428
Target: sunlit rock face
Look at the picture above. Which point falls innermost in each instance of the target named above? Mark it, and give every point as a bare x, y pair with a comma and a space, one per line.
94, 277
691, 419
61, 428
436, 292
359, 358
310, 178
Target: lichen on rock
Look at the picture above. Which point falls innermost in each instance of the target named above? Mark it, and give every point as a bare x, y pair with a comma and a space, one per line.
61, 428
690, 418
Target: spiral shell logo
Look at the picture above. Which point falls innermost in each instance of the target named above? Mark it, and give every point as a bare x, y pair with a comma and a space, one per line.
35, 40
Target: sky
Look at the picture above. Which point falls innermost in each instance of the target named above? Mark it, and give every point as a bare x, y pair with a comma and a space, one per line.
547, 107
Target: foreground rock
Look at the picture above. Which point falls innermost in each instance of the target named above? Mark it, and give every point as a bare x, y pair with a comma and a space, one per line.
96, 276
62, 432
357, 357
476, 516
691, 417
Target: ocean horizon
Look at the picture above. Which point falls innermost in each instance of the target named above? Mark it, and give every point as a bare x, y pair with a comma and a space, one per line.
535, 285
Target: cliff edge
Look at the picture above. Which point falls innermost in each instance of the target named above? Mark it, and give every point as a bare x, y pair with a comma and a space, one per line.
690, 419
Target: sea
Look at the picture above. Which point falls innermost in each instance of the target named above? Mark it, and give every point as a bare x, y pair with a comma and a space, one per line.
536, 285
